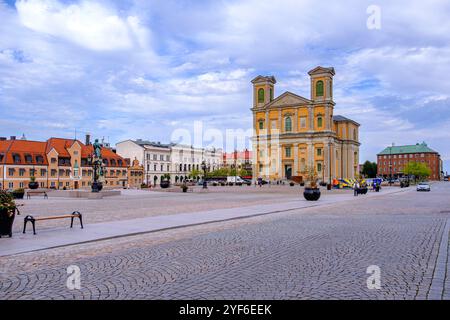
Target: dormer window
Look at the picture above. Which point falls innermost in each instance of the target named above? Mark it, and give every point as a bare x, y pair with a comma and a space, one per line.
39, 159
105, 162
2, 156
16, 158
113, 162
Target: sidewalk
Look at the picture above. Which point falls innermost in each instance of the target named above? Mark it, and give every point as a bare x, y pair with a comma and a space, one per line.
57, 237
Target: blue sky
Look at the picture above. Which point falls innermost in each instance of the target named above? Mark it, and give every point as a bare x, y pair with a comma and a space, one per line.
130, 69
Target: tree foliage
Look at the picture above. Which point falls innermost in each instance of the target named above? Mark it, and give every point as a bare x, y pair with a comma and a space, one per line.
418, 169
369, 169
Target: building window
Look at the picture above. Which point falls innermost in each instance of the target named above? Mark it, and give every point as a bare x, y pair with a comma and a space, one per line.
288, 152
261, 124
319, 88
319, 122
261, 95
319, 152
303, 122
319, 167
21, 172
288, 124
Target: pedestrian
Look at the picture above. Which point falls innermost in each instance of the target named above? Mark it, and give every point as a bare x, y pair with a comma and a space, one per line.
355, 189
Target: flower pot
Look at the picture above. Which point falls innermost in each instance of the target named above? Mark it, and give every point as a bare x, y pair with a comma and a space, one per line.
164, 184
6, 223
185, 189
311, 194
33, 185
329, 186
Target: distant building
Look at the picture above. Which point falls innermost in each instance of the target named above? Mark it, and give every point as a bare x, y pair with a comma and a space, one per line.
176, 160
56, 163
392, 160
238, 159
135, 174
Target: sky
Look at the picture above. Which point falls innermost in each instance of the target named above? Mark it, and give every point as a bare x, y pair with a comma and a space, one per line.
143, 69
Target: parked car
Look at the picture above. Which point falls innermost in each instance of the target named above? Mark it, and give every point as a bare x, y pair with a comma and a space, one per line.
423, 186
445, 178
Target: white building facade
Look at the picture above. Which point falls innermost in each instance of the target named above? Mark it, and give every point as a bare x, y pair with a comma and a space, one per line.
178, 161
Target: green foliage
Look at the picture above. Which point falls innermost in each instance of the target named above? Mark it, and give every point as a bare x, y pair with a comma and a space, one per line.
418, 169
195, 173
369, 169
33, 179
165, 177
7, 202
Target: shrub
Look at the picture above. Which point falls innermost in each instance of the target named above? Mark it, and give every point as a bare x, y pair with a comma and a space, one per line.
7, 203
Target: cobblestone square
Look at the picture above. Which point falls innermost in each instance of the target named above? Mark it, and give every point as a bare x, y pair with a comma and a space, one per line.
319, 252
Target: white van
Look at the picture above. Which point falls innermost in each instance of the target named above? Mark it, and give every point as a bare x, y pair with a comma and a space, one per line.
235, 179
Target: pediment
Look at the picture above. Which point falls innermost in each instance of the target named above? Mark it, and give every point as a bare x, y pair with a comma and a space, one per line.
288, 99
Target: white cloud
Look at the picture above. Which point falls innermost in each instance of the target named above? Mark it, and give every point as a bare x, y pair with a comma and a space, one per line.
88, 24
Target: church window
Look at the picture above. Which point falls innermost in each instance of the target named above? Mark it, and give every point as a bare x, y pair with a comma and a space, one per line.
319, 88
261, 124
288, 124
261, 95
319, 122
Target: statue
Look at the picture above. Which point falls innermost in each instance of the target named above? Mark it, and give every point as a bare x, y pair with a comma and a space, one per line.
97, 149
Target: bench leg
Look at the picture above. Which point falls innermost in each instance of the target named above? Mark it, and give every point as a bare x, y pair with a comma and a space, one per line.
80, 216
34, 229
81, 220
25, 222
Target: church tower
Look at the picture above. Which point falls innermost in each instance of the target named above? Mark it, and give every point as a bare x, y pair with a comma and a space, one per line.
322, 97
263, 90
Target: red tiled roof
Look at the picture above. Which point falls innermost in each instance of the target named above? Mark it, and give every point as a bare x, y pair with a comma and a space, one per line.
24, 147
246, 155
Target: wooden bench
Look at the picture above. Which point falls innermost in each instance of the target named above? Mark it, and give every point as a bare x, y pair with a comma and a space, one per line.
30, 193
32, 219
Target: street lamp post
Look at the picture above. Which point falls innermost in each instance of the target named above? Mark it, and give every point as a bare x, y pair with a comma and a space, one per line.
205, 185
390, 164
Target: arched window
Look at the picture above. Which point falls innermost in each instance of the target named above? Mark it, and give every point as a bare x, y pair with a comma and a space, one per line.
319, 122
319, 88
288, 124
261, 95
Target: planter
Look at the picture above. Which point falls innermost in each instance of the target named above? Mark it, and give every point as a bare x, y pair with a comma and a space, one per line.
302, 184
96, 186
329, 186
311, 194
164, 184
33, 185
184, 189
377, 189
362, 190
6, 223
17, 195
292, 184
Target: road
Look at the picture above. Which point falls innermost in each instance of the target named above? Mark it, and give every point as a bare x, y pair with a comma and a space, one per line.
312, 253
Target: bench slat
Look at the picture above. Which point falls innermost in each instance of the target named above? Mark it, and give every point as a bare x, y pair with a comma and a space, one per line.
57, 217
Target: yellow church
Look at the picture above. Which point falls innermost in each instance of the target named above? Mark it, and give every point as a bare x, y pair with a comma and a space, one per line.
292, 133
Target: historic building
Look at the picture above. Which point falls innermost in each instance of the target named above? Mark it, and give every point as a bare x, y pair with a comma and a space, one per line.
239, 159
392, 160
56, 163
292, 133
135, 174
176, 160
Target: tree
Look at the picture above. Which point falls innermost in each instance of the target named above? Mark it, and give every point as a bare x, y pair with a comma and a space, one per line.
419, 170
195, 173
369, 169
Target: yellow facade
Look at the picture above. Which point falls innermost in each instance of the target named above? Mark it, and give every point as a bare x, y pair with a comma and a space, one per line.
293, 132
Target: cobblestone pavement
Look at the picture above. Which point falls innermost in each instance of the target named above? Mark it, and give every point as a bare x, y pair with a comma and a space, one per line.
314, 253
139, 204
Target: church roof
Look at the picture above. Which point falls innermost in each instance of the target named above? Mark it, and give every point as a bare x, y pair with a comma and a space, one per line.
264, 79
339, 118
320, 69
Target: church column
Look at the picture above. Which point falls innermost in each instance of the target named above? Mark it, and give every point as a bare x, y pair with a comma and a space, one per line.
296, 121
295, 169
311, 118
267, 123
310, 154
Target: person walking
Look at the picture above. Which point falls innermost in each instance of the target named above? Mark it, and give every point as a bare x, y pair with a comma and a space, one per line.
355, 188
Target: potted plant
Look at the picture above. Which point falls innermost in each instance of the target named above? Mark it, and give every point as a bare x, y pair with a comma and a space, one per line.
7, 213
18, 193
312, 191
165, 181
184, 187
33, 184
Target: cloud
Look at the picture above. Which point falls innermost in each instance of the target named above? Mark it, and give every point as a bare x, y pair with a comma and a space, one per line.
88, 24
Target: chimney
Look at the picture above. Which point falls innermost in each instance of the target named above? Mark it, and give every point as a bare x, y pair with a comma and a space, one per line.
13, 137
88, 139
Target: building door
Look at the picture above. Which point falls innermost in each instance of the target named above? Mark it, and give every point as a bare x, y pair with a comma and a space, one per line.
76, 185
288, 171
